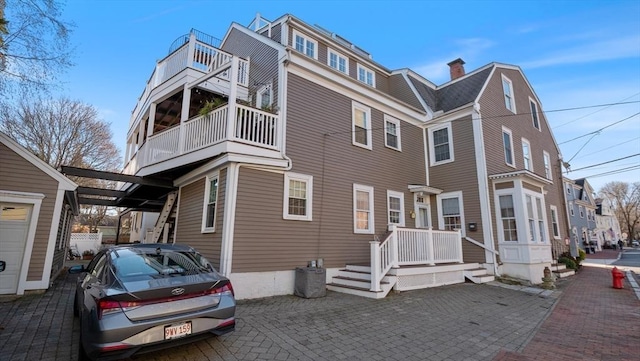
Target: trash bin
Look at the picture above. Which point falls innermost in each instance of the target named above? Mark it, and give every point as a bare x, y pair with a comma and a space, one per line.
310, 282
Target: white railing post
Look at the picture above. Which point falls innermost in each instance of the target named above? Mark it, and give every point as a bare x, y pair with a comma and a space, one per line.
191, 50
233, 95
375, 266
184, 115
394, 246
430, 254
460, 256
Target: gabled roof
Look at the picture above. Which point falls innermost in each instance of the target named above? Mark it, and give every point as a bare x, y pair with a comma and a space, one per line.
64, 182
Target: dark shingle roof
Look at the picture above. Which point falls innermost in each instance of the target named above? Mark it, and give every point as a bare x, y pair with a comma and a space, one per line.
461, 92
427, 93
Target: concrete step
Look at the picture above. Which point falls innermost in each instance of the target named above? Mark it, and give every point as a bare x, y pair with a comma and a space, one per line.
564, 273
478, 275
357, 291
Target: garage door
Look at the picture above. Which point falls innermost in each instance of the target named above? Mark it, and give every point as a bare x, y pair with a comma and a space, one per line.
14, 227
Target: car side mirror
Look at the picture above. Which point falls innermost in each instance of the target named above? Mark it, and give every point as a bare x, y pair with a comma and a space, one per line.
76, 269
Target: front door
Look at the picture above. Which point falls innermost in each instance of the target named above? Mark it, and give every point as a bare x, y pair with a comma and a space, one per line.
423, 219
14, 228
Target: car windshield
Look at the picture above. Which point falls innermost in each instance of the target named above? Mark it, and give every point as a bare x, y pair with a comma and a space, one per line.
135, 262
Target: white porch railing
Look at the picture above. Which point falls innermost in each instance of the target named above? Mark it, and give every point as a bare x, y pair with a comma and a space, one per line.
249, 125
406, 246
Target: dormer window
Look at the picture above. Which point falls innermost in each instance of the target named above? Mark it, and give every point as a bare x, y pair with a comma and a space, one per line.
338, 62
366, 76
305, 45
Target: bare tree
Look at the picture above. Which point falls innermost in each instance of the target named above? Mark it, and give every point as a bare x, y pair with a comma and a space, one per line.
34, 45
62, 132
625, 200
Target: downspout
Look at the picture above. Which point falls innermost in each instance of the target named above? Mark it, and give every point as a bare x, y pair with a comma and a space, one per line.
483, 186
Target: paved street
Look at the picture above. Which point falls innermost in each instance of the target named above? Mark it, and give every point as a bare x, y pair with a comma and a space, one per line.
585, 319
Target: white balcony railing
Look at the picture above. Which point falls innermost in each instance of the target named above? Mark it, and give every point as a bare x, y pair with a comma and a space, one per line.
248, 125
406, 246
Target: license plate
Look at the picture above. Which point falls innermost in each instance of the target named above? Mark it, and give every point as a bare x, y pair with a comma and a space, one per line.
175, 331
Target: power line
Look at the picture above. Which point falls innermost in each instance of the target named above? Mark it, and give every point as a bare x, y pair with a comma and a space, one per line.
599, 130
607, 162
592, 113
617, 171
613, 146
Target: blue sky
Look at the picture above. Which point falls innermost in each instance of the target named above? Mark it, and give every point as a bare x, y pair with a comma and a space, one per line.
575, 54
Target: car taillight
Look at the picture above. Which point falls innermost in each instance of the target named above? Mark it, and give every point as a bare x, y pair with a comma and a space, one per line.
106, 307
225, 288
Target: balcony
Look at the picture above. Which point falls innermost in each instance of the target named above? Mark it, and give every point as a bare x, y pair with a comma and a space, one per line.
250, 130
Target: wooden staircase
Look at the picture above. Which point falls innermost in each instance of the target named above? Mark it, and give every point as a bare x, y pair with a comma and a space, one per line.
356, 280
160, 230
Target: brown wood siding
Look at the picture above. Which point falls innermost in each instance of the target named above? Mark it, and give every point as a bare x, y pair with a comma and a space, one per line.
495, 115
504, 185
263, 67
190, 213
320, 144
25, 177
399, 88
460, 175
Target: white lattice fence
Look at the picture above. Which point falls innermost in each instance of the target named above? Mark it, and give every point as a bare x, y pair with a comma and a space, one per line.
86, 241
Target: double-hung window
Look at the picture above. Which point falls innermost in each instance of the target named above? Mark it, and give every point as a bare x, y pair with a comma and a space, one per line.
547, 165
361, 122
507, 88
338, 62
305, 45
363, 209
366, 75
507, 141
526, 154
441, 144
450, 207
264, 95
298, 196
210, 203
395, 208
391, 132
508, 217
534, 113
554, 222
581, 209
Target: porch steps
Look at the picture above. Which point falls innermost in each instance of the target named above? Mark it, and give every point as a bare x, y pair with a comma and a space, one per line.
356, 280
478, 275
560, 270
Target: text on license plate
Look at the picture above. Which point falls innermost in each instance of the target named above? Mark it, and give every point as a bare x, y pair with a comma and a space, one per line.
178, 330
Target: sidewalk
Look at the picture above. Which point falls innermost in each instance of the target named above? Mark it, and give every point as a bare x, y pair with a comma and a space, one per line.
591, 320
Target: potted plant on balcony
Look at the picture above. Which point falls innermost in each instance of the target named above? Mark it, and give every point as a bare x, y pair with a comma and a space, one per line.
88, 254
211, 105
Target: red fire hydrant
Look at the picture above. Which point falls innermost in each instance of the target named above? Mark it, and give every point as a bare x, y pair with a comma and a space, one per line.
618, 278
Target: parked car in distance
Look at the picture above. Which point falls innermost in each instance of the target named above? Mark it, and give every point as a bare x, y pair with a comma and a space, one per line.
143, 297
635, 243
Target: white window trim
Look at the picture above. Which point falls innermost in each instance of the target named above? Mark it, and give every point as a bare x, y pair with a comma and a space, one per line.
207, 187
581, 210
539, 127
546, 159
395, 195
571, 211
524, 163
517, 205
512, 99
373, 75
367, 110
432, 154
346, 60
513, 156
369, 190
456, 194
307, 39
308, 179
555, 209
267, 87
388, 119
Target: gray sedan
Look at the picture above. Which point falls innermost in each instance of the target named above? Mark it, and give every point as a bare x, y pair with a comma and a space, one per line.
139, 298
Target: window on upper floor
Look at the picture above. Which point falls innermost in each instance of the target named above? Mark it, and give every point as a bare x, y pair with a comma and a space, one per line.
440, 144
305, 45
507, 88
264, 96
526, 155
366, 75
568, 188
395, 208
534, 113
547, 165
507, 142
363, 209
571, 211
391, 132
361, 125
210, 202
554, 222
298, 196
338, 61
581, 209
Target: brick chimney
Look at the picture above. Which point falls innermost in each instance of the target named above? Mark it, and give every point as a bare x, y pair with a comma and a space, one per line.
456, 68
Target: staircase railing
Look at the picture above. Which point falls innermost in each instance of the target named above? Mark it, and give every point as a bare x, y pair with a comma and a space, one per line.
406, 246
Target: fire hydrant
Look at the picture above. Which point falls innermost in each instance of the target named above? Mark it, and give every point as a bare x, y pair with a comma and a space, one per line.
618, 278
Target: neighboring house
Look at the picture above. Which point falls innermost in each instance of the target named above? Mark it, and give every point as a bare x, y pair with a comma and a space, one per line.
37, 205
320, 153
581, 208
607, 224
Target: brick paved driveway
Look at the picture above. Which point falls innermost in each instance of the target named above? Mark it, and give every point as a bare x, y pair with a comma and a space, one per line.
459, 322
